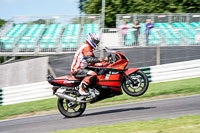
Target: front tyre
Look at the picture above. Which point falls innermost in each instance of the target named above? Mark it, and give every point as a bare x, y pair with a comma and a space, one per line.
135, 84
70, 109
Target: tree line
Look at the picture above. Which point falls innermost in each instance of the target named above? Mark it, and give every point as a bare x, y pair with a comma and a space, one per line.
114, 7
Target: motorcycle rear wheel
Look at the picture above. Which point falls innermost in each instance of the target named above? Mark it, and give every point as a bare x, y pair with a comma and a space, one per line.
74, 110
140, 85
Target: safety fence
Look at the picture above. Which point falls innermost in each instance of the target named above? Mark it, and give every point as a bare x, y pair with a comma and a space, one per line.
159, 18
42, 90
173, 71
178, 29
25, 93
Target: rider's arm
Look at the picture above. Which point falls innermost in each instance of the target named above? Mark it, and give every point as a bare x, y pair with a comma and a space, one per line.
102, 63
92, 59
89, 56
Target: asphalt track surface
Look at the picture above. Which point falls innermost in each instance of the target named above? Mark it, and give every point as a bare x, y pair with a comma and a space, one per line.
149, 110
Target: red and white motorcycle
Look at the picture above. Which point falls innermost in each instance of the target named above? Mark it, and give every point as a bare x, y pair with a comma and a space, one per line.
111, 78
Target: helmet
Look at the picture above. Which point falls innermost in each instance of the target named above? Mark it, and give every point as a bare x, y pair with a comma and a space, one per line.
93, 40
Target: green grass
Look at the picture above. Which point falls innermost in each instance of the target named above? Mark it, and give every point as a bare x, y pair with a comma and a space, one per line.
27, 107
185, 124
181, 87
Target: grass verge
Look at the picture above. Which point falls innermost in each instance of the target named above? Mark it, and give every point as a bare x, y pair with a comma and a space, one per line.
185, 124
155, 91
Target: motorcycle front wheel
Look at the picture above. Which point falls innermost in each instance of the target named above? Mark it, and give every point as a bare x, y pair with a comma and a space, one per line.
70, 109
135, 84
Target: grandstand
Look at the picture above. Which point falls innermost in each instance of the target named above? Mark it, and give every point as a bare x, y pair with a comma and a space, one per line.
51, 37
169, 29
63, 34
46, 35
71, 36
30, 38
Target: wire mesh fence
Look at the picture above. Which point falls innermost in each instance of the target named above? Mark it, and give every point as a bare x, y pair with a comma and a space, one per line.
64, 33
168, 29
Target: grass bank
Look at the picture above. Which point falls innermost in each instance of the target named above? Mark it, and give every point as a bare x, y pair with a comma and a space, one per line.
185, 124
155, 91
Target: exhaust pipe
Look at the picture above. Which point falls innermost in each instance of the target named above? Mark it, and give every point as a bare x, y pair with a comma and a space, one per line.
60, 95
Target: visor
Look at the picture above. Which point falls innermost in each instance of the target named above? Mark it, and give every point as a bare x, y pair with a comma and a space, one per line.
95, 41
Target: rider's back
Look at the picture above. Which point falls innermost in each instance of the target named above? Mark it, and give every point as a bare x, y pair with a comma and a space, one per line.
79, 62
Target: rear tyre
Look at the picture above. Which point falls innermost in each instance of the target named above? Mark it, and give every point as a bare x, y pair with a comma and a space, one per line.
137, 86
70, 109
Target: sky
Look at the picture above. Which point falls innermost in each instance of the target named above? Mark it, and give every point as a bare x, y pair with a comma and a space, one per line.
11, 8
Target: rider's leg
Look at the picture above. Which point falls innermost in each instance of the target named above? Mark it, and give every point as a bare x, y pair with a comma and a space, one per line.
86, 82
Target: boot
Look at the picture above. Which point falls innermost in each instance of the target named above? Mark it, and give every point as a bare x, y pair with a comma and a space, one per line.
82, 89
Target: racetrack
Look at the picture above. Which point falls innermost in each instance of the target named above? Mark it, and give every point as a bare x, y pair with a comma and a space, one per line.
149, 110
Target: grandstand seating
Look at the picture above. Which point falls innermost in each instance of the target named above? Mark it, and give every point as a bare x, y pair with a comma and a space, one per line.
51, 36
130, 38
195, 24
70, 36
90, 28
11, 37
180, 25
169, 34
29, 39
154, 38
162, 25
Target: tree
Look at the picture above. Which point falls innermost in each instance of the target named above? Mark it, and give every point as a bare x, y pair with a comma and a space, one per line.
2, 22
114, 7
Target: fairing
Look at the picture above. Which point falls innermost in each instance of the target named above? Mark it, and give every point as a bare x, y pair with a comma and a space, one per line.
110, 80
130, 70
65, 81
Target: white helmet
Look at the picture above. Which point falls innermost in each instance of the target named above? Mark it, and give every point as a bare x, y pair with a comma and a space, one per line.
93, 40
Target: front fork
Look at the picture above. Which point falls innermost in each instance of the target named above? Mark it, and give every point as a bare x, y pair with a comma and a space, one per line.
127, 77
132, 81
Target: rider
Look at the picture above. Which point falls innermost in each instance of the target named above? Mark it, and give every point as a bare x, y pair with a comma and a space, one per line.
84, 57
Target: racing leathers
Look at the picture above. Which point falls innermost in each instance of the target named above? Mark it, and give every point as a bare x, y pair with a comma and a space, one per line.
84, 57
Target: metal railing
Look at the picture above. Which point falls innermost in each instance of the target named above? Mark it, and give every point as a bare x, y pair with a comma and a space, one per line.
159, 17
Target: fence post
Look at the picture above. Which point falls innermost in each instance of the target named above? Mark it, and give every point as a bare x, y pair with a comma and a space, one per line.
103, 14
102, 53
158, 55
187, 18
170, 18
101, 44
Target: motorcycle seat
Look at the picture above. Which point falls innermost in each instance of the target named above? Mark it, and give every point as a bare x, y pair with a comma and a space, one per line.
68, 78
72, 78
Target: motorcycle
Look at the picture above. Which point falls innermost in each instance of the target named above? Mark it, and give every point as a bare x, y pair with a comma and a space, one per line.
110, 79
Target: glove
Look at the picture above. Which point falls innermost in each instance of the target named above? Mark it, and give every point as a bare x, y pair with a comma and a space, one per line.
105, 59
